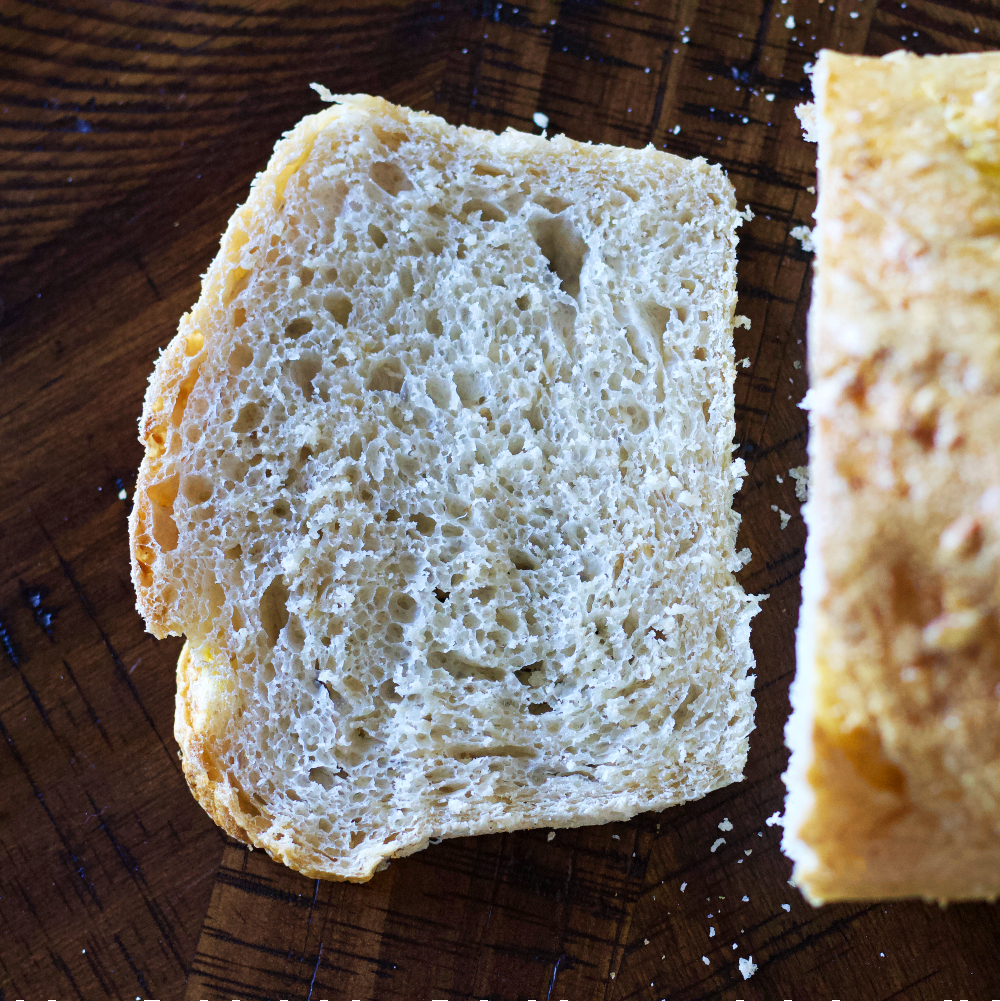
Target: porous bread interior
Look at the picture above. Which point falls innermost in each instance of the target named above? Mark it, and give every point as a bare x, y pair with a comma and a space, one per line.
438, 485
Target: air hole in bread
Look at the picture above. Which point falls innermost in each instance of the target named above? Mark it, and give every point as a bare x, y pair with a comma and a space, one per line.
402, 607
522, 560
484, 594
501, 751
441, 595
470, 392
236, 281
197, 489
390, 177
460, 667
507, 618
234, 467
564, 249
488, 170
163, 494
322, 776
405, 281
523, 302
391, 140
246, 804
303, 370
388, 375
700, 353
683, 713
250, 417
425, 525
182, 397
551, 203
239, 358
631, 623
592, 566
515, 444
193, 343
538, 708
274, 609
488, 211
378, 237
706, 409
299, 327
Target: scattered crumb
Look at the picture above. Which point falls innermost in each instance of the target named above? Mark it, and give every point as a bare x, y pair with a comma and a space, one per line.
747, 851
706, 960
746, 899
616, 837
801, 476
734, 945
645, 941
748, 968
775, 818
542, 121
796, 364
784, 515
612, 974
786, 908
725, 824
739, 861
683, 887
811, 190
718, 843
741, 321
744, 363
882, 954
789, 21
805, 236
711, 931
551, 836
780, 479
122, 495
769, 97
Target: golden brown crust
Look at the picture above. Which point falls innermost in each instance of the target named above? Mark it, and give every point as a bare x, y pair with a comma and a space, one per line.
903, 598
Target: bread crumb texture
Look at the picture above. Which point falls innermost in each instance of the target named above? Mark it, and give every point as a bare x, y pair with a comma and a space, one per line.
438, 487
894, 781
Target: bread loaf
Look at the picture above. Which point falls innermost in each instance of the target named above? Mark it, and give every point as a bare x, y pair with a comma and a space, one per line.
894, 780
438, 485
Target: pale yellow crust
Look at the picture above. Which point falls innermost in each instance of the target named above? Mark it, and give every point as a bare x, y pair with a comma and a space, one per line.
894, 784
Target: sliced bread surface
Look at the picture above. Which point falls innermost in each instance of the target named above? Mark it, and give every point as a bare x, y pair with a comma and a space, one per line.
438, 485
894, 779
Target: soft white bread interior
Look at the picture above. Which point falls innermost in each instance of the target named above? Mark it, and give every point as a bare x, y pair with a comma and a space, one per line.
894, 778
438, 485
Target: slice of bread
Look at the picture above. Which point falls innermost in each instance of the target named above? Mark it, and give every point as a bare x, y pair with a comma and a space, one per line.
438, 486
894, 780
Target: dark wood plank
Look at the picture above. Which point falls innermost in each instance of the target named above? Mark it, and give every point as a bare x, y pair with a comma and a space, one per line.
161, 113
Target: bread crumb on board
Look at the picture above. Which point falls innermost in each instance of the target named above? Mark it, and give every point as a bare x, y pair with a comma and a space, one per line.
747, 967
725, 824
801, 476
784, 515
805, 236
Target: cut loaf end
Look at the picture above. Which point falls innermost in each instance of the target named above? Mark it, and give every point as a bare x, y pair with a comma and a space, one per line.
894, 777
438, 485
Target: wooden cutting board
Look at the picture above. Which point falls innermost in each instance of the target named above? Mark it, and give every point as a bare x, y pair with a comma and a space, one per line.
128, 134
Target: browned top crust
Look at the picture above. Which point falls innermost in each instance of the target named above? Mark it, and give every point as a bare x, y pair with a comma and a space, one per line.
895, 779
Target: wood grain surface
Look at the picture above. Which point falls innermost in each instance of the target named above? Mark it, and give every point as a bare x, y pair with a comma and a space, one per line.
129, 131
